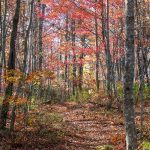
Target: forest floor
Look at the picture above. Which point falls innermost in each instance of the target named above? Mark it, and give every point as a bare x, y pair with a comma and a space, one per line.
71, 126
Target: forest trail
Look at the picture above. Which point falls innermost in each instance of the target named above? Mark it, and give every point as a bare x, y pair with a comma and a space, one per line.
88, 127
70, 126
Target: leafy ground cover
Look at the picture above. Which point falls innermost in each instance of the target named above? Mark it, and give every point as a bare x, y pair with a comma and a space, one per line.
73, 126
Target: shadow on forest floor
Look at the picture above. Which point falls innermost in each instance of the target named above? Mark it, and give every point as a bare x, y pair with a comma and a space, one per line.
71, 126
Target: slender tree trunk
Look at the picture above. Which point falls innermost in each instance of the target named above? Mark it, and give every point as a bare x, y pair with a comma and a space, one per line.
4, 36
11, 66
42, 11
97, 49
110, 71
13, 117
108, 55
66, 58
129, 78
103, 31
3, 41
81, 65
42, 7
105, 37
141, 88
74, 57
26, 39
140, 60
1, 63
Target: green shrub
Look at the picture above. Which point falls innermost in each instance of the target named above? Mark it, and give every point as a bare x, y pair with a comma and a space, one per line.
84, 96
120, 90
55, 117
105, 147
146, 145
146, 91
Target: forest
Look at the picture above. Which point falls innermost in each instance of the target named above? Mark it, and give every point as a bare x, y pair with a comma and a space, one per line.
75, 75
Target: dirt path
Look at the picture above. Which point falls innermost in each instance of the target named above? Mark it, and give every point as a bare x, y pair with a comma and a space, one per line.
70, 126
89, 128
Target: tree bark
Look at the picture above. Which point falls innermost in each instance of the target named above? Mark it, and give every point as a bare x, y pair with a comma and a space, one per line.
74, 56
129, 78
97, 50
1, 63
108, 54
42, 7
11, 66
3, 41
81, 65
26, 39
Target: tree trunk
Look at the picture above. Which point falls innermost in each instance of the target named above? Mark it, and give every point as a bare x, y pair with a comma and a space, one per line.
140, 60
11, 66
66, 58
129, 78
81, 65
3, 41
1, 63
26, 39
74, 56
42, 7
108, 55
97, 50
42, 11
